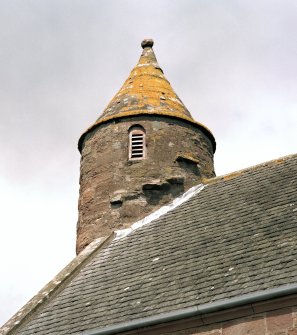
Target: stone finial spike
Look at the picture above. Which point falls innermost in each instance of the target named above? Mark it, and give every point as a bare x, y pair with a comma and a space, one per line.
147, 43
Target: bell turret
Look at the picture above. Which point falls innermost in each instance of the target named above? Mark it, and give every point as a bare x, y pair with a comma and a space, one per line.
143, 151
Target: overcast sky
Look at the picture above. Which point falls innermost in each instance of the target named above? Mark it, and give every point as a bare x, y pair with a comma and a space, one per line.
233, 64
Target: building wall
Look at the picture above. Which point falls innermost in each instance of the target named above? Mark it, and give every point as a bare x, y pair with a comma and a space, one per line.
116, 192
280, 322
266, 318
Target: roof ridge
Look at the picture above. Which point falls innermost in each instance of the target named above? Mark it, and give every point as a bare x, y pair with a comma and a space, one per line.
56, 284
238, 173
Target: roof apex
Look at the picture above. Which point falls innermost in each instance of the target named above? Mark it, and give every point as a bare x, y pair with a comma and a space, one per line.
145, 89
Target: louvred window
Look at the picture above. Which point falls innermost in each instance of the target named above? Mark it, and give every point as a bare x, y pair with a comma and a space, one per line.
137, 147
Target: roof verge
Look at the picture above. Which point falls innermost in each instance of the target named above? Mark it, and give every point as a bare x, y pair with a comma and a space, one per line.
57, 283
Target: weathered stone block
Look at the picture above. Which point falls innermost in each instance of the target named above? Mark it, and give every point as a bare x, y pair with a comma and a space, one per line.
279, 321
243, 327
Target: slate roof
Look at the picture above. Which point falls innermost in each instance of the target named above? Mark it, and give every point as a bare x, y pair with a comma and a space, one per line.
146, 92
236, 236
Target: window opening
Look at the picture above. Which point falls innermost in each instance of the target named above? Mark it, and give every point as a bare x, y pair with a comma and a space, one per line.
137, 143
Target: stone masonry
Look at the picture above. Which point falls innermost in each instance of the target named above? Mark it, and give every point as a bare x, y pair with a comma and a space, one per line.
116, 191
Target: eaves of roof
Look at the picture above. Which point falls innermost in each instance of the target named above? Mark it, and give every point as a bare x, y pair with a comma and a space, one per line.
136, 113
211, 307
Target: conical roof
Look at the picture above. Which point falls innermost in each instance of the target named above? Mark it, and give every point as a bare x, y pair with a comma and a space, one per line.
146, 92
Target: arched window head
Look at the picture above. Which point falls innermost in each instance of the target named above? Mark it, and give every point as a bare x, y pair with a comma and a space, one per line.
137, 146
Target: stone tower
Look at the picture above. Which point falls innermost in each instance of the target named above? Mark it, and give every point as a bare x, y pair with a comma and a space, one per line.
144, 150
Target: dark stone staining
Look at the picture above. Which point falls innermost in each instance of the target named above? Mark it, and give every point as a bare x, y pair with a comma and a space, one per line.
116, 202
116, 192
189, 163
154, 192
115, 205
157, 193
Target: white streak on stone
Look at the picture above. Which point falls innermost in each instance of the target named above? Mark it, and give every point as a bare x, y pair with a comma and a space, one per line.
176, 100
122, 233
161, 211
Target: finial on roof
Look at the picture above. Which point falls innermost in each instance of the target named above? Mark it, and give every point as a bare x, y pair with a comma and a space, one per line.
147, 43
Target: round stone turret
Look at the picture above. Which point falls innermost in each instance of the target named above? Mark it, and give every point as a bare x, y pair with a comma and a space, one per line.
142, 152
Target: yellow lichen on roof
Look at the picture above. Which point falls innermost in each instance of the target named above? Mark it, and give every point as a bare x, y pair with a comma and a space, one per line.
146, 89
146, 92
